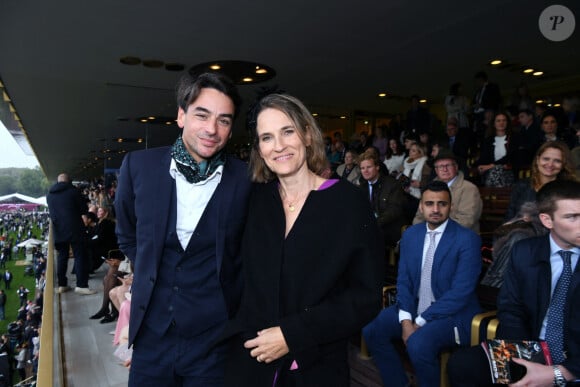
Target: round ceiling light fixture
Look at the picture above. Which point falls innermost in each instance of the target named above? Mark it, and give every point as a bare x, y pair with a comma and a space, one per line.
240, 72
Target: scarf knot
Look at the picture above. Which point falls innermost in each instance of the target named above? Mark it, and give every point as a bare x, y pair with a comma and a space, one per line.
193, 171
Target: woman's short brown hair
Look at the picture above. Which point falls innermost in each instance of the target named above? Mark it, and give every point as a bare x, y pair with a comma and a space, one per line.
306, 128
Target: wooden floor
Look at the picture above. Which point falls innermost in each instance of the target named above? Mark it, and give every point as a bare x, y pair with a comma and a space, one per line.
88, 348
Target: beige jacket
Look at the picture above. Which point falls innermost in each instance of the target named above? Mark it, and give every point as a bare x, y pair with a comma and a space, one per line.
466, 204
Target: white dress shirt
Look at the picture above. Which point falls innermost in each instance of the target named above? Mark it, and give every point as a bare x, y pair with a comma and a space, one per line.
192, 198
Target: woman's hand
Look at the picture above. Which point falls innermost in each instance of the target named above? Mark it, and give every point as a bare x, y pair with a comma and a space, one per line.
268, 346
483, 168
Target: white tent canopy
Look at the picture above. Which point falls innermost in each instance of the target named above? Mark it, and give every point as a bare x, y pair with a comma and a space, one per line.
41, 200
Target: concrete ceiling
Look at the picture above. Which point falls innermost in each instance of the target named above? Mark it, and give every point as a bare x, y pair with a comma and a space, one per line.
59, 61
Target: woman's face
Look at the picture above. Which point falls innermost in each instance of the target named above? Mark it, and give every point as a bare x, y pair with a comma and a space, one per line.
279, 144
550, 163
101, 213
500, 123
393, 145
414, 152
550, 125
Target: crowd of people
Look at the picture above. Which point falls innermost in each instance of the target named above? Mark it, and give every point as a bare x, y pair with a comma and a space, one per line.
286, 318
20, 344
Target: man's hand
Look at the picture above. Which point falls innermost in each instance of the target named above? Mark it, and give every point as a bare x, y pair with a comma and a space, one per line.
539, 375
408, 329
268, 346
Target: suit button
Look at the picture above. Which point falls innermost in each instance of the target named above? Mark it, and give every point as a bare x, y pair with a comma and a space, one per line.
176, 288
170, 308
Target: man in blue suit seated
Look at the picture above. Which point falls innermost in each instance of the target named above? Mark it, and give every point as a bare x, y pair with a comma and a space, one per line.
180, 217
438, 272
539, 298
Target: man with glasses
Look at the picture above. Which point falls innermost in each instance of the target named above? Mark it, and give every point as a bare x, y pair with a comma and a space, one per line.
467, 204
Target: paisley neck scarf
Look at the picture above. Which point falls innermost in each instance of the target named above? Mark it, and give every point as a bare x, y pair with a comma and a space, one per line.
193, 171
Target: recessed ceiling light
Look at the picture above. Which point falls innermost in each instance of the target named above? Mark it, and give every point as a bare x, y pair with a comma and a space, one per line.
241, 72
168, 123
527, 71
343, 117
382, 95
130, 60
151, 117
540, 101
139, 140
366, 122
557, 105
143, 120
119, 139
495, 62
315, 114
538, 73
422, 101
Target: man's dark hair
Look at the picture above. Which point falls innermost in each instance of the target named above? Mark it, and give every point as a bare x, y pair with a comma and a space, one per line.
436, 186
189, 87
556, 190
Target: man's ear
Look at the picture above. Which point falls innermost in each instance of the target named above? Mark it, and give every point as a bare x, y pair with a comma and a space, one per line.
546, 220
180, 117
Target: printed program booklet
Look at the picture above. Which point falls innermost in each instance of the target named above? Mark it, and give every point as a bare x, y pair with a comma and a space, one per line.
500, 352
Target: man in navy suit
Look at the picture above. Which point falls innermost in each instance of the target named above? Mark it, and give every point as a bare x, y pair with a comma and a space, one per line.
180, 217
438, 271
525, 299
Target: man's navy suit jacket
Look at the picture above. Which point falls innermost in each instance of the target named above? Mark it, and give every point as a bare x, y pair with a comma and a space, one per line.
454, 275
142, 204
524, 298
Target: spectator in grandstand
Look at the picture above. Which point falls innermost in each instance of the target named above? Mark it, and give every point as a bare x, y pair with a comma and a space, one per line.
494, 164
349, 171
457, 105
525, 141
66, 206
437, 275
415, 170
386, 195
552, 161
467, 204
394, 157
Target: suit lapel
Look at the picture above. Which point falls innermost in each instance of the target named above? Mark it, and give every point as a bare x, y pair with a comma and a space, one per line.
544, 279
445, 243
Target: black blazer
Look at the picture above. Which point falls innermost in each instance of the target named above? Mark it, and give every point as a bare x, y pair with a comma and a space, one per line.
525, 296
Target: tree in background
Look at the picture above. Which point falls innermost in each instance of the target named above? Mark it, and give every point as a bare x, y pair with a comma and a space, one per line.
30, 182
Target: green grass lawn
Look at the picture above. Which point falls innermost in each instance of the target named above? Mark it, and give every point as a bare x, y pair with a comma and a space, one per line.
18, 278
12, 301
